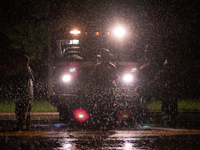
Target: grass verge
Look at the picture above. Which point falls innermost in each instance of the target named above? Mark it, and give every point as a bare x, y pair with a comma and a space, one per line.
183, 105
43, 106
7, 105
39, 105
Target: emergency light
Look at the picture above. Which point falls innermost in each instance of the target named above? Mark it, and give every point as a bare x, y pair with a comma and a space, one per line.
72, 69
75, 32
81, 115
133, 69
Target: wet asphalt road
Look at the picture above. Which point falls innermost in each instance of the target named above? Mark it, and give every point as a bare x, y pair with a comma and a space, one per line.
147, 134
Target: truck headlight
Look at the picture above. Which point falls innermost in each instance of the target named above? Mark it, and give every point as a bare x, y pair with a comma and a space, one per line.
66, 78
128, 78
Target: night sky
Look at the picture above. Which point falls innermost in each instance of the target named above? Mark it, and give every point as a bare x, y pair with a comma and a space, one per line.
171, 26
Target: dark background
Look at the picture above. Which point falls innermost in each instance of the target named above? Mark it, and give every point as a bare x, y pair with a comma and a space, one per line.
170, 28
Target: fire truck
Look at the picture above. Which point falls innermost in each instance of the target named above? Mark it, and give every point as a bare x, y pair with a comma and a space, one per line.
77, 51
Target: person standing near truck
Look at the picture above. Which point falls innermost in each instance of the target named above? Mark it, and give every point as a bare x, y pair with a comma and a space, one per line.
166, 80
103, 84
105, 75
23, 82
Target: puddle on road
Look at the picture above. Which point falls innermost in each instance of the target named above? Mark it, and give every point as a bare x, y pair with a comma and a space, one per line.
57, 125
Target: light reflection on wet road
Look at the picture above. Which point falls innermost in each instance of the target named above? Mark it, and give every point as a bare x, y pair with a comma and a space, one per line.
60, 136
108, 133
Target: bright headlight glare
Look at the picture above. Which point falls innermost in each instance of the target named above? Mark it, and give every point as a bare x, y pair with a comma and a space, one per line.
128, 78
119, 32
66, 78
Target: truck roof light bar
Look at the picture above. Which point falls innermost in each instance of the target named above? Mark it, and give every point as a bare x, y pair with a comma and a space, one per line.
75, 32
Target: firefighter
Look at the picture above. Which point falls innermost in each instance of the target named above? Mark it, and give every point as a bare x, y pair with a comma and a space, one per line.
166, 80
105, 73
24, 93
104, 77
153, 63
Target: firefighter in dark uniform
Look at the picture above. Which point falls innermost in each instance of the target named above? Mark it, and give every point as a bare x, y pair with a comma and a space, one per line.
105, 73
153, 63
24, 93
104, 77
166, 80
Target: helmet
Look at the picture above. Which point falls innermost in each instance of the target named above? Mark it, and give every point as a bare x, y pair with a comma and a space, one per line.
168, 65
25, 60
105, 54
165, 62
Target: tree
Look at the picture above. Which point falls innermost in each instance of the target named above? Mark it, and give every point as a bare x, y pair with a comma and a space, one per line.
29, 25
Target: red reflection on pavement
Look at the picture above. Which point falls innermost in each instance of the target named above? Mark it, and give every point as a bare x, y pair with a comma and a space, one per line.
124, 114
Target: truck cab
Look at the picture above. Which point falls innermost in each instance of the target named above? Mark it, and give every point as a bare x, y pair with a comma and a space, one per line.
75, 57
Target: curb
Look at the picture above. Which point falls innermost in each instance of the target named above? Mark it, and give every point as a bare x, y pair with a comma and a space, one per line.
48, 116
33, 113
57, 113
39, 116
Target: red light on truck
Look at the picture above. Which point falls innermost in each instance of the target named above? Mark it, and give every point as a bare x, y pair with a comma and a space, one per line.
81, 115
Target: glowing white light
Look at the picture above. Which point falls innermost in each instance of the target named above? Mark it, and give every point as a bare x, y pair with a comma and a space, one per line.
74, 42
119, 32
128, 78
81, 116
67, 146
75, 32
66, 78
127, 146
